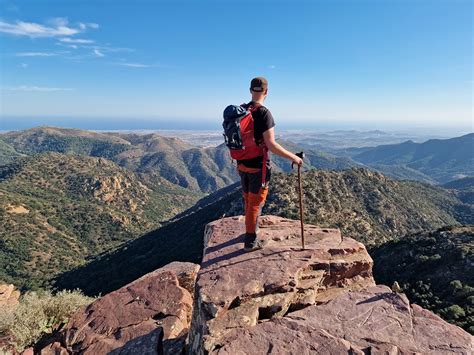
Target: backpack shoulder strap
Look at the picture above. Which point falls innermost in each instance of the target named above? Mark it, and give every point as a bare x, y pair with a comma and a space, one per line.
254, 107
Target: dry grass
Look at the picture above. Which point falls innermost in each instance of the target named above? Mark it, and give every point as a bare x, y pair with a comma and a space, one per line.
39, 313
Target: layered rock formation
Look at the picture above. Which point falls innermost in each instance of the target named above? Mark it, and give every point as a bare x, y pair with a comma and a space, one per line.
148, 316
282, 299
278, 300
237, 289
372, 321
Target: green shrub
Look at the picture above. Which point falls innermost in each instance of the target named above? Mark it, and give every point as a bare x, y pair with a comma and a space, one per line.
455, 312
39, 313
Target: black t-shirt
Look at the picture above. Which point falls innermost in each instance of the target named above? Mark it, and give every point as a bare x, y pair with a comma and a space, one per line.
262, 121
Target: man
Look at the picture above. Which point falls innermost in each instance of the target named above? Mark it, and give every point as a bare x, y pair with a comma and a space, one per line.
254, 188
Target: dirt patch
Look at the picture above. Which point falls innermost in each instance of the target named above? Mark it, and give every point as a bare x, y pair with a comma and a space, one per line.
17, 209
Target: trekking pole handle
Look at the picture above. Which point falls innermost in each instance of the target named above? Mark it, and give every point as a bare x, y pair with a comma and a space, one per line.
300, 155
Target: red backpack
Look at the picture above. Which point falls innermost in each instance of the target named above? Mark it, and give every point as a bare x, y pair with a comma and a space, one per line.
239, 135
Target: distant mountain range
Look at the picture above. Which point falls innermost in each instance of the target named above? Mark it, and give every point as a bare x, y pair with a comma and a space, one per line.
441, 160
435, 161
196, 168
58, 210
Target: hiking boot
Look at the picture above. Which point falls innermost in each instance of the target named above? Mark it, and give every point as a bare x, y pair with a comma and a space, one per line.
252, 243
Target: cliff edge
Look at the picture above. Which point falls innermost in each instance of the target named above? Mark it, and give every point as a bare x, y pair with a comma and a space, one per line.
278, 300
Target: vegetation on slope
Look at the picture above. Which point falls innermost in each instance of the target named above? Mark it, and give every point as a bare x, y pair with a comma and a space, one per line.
67, 141
179, 240
463, 188
434, 269
7, 153
38, 314
366, 205
59, 210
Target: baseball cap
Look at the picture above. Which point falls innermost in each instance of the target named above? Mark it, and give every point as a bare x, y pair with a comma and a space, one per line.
259, 84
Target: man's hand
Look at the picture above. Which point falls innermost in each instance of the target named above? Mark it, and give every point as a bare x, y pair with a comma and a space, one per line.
297, 160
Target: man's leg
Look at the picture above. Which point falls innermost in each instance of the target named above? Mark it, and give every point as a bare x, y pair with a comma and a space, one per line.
256, 197
244, 182
254, 208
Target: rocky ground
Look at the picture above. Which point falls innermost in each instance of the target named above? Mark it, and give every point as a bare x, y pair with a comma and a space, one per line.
278, 300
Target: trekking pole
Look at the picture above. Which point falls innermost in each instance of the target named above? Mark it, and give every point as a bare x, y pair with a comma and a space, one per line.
301, 155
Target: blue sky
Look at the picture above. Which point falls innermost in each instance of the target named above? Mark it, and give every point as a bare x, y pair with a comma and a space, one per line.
350, 63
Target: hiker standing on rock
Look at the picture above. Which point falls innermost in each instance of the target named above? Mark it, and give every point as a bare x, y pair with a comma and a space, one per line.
249, 132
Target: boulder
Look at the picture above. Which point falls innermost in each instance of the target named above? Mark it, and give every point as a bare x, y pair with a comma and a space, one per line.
54, 348
238, 289
371, 321
148, 316
9, 295
7, 346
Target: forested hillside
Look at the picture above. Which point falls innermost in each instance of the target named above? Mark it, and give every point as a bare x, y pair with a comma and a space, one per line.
59, 210
434, 269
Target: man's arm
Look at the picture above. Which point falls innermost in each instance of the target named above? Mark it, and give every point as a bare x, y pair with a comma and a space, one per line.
275, 148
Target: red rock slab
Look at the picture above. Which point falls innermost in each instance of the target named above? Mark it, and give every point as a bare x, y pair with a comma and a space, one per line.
377, 316
282, 336
237, 288
137, 317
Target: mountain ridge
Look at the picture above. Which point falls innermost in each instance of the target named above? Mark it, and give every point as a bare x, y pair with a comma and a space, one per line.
441, 159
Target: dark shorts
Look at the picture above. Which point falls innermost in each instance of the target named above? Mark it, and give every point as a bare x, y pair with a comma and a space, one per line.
252, 182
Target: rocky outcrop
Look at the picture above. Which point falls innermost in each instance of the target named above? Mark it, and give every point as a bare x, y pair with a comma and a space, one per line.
323, 299
148, 316
236, 289
9, 295
279, 300
372, 321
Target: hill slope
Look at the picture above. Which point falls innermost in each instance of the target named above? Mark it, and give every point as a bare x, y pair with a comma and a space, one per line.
434, 269
65, 140
441, 159
58, 210
464, 189
7, 153
366, 206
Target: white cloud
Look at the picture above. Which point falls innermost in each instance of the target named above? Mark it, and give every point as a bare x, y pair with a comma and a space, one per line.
138, 65
98, 53
112, 49
58, 21
57, 27
76, 40
39, 88
84, 26
272, 66
35, 54
23, 65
